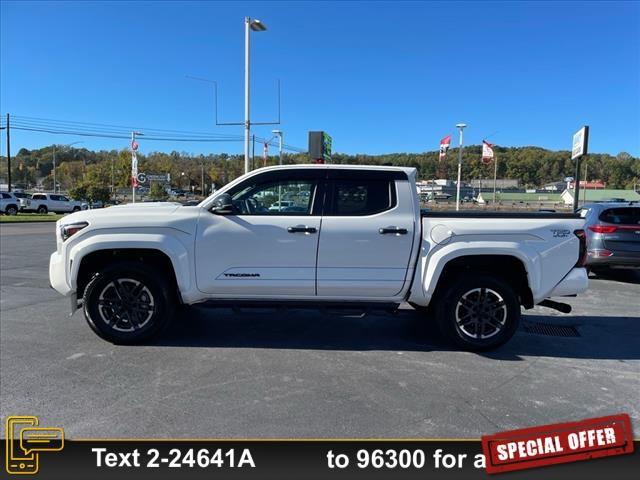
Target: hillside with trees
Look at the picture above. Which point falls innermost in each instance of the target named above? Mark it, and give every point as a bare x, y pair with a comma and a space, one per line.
532, 166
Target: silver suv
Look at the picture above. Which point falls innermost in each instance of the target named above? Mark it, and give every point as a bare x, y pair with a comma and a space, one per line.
613, 234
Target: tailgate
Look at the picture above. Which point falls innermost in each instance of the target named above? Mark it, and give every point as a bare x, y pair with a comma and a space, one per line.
621, 229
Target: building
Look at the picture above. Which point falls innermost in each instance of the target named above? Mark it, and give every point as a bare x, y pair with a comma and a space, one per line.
593, 184
600, 195
501, 183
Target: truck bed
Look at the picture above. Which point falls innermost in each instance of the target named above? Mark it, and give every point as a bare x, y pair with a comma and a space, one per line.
473, 214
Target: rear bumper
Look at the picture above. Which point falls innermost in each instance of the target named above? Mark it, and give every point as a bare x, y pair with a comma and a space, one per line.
576, 281
617, 258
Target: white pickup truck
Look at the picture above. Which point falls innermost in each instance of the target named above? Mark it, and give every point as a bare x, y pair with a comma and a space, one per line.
44, 203
349, 236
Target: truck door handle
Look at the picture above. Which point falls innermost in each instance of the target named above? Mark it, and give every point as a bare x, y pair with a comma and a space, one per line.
395, 230
302, 229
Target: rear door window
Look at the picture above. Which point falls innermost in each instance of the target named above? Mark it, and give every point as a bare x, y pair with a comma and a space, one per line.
351, 197
621, 216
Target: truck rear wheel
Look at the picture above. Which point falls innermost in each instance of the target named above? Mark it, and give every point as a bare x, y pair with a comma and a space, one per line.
479, 313
128, 303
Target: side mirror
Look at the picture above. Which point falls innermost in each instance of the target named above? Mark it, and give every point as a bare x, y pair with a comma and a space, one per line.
223, 205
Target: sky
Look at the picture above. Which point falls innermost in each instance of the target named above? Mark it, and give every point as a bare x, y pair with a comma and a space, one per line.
379, 77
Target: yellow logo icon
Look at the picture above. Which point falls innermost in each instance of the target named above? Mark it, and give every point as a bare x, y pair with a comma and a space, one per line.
25, 441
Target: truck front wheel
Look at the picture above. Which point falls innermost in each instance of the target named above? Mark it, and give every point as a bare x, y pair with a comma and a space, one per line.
478, 313
128, 303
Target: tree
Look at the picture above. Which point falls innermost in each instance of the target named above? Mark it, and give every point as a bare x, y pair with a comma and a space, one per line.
79, 192
98, 193
156, 192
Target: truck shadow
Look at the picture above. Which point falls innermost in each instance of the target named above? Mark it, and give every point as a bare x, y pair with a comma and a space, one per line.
613, 338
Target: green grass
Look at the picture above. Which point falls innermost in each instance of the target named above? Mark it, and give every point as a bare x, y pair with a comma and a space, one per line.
29, 217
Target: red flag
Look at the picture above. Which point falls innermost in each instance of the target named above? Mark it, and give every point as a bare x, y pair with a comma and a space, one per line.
487, 152
134, 181
444, 146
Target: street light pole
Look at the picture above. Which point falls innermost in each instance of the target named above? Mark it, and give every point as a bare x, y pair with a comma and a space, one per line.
247, 122
460, 127
256, 26
134, 165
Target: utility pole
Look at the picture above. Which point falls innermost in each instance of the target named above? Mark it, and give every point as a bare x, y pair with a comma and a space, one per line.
460, 127
495, 176
586, 180
54, 168
202, 178
253, 154
8, 156
113, 161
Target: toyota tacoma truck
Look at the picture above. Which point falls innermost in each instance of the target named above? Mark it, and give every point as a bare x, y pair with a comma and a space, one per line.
341, 236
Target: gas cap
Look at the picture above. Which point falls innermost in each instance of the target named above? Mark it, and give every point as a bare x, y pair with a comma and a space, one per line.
441, 234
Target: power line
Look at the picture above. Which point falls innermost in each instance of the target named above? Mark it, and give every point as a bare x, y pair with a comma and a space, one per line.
103, 130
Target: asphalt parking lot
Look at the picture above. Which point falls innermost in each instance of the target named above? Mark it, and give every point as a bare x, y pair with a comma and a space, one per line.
225, 374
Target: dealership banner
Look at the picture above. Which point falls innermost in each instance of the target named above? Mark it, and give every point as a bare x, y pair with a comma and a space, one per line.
444, 147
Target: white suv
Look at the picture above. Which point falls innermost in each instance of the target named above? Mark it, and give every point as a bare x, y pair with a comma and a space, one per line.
9, 204
51, 202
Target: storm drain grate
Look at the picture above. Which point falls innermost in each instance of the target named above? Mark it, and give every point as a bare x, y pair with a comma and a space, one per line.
551, 330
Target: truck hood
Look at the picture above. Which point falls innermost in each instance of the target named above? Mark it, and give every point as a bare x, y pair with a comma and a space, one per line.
136, 215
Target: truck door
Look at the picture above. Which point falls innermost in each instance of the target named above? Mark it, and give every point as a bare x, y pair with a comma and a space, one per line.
265, 247
367, 234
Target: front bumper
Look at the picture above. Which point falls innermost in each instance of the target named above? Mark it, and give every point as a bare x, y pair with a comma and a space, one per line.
58, 275
576, 281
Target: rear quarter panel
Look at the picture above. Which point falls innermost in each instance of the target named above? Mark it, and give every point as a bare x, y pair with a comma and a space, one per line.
547, 248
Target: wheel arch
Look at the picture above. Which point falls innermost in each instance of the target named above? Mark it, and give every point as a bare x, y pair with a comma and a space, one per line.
169, 255
507, 267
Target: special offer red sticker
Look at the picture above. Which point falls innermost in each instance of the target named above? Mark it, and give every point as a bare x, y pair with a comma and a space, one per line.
558, 443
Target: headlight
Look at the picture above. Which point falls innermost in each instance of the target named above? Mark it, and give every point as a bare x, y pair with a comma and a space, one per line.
67, 231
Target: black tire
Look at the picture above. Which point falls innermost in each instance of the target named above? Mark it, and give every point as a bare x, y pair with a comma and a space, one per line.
478, 313
11, 210
110, 313
76, 209
42, 210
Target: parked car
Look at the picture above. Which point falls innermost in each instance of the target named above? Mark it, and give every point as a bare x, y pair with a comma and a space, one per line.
361, 242
51, 202
613, 235
9, 204
281, 205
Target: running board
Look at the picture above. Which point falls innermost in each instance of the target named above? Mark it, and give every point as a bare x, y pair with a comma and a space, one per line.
359, 308
561, 307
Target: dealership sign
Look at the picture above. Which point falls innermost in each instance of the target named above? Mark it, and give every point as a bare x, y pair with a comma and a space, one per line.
152, 177
320, 145
580, 143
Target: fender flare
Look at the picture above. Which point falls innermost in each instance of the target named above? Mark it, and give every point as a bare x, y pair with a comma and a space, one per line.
435, 262
165, 243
